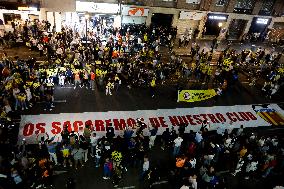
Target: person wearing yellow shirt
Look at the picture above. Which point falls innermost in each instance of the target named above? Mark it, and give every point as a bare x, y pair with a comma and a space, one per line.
109, 87
152, 87
65, 150
145, 38
243, 152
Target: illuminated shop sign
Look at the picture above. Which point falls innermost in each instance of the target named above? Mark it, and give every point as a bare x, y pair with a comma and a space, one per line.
262, 21
135, 11
217, 17
27, 8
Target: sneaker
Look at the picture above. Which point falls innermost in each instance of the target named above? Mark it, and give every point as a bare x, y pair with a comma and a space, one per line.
91, 155
105, 178
50, 109
74, 87
23, 109
115, 186
52, 106
39, 186
44, 109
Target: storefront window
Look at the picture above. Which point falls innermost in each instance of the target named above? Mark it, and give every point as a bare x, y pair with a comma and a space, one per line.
244, 6
221, 2
267, 7
9, 17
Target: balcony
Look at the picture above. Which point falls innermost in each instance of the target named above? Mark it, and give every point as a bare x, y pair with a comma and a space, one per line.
165, 3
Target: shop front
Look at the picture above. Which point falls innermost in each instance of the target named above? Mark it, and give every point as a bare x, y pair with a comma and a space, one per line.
134, 15
13, 18
276, 30
259, 27
214, 25
189, 21
236, 29
95, 16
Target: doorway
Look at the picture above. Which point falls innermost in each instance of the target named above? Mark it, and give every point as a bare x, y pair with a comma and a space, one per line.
159, 19
236, 28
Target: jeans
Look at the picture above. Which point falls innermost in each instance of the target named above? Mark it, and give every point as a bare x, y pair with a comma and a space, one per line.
23, 104
92, 83
267, 171
93, 150
97, 161
53, 156
107, 172
47, 105
17, 103
152, 141
176, 150
85, 155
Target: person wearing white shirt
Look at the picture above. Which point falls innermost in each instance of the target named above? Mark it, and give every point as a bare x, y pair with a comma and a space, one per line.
16, 91
94, 142
198, 137
145, 168
193, 181
177, 145
192, 161
62, 80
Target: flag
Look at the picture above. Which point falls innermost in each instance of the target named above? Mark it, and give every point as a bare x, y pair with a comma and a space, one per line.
195, 95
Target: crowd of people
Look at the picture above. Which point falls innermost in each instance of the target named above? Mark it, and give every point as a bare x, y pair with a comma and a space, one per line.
195, 157
131, 56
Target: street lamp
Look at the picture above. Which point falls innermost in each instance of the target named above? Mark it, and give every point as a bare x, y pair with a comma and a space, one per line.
87, 16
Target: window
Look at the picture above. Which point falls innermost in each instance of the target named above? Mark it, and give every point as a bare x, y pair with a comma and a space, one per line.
193, 1
244, 6
267, 7
221, 2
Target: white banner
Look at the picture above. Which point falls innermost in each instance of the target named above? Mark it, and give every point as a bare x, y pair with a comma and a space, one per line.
191, 15
135, 11
92, 7
228, 117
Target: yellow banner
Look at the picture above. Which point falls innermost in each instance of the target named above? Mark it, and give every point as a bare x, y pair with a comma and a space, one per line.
195, 95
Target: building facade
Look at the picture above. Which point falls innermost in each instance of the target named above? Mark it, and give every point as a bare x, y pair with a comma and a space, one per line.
222, 18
